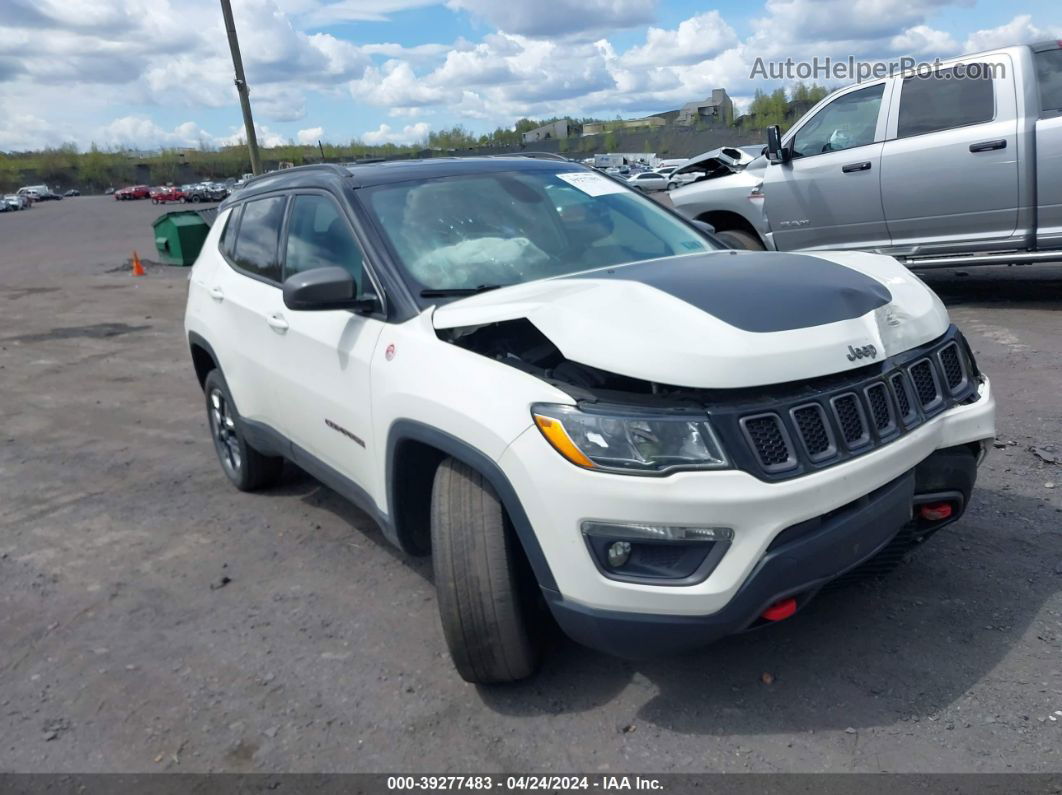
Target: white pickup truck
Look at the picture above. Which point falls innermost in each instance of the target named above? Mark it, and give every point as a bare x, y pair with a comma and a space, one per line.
962, 166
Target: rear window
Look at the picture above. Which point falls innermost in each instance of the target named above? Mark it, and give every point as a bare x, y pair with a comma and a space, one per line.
946, 99
1049, 75
257, 237
228, 234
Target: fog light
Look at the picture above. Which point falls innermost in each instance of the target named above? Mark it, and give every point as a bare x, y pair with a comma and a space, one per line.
618, 553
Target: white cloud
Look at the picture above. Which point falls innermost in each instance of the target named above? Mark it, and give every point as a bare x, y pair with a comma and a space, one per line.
1019, 30
266, 138
922, 40
140, 132
695, 39
310, 135
64, 62
410, 134
558, 17
21, 132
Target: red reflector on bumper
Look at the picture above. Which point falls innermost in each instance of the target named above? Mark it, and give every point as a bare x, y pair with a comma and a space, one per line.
780, 610
935, 511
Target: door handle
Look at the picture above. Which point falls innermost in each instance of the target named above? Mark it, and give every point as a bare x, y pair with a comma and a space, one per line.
217, 294
864, 166
277, 322
988, 146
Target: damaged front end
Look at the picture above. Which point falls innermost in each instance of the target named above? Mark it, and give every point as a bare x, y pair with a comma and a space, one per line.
721, 162
774, 432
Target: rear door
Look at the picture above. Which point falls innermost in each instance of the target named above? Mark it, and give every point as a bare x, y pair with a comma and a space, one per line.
247, 293
950, 167
828, 195
1048, 60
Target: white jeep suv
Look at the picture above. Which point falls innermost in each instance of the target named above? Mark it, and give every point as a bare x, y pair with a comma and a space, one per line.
584, 407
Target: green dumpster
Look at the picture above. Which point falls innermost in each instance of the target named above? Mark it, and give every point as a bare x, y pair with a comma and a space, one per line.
179, 236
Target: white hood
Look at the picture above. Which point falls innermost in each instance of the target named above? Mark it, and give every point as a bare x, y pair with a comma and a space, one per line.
722, 320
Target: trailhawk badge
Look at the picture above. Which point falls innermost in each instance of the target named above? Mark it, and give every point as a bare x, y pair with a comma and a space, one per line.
862, 353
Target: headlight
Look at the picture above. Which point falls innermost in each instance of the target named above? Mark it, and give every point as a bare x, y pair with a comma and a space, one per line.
631, 443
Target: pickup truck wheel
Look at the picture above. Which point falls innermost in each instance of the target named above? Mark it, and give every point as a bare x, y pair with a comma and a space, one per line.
248, 469
735, 238
486, 598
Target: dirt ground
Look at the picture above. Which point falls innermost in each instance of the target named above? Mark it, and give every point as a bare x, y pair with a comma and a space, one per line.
153, 618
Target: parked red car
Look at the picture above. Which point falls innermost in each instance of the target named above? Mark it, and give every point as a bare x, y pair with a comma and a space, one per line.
132, 192
165, 194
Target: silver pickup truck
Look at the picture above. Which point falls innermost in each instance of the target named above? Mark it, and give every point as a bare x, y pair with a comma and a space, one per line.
962, 166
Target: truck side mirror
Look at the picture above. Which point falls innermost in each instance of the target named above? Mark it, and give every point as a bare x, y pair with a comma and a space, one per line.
776, 153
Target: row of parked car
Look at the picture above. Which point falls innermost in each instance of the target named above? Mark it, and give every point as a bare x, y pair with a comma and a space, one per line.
198, 192
25, 197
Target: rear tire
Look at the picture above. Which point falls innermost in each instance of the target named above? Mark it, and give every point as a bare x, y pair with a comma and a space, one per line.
245, 467
486, 596
736, 238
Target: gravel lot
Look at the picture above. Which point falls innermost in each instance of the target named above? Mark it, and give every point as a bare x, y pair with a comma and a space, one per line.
323, 652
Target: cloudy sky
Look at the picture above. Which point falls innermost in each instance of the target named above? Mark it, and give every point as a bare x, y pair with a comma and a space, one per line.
150, 73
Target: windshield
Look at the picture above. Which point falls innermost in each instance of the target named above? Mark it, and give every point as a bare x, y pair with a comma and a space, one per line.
495, 229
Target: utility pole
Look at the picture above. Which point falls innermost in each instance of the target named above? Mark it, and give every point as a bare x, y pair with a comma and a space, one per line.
241, 87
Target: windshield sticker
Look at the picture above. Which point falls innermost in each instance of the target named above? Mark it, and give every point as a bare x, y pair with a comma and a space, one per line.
591, 184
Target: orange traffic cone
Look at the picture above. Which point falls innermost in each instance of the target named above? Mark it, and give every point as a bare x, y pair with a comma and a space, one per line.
138, 269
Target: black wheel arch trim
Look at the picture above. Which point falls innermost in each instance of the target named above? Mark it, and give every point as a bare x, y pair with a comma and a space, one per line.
198, 341
411, 430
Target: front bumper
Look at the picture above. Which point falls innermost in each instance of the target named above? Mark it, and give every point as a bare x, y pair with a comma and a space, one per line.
557, 497
843, 542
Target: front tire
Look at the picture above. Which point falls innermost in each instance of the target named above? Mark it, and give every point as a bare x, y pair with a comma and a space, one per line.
485, 590
245, 467
736, 238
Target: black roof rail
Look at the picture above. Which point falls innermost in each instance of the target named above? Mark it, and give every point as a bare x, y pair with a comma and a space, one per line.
332, 168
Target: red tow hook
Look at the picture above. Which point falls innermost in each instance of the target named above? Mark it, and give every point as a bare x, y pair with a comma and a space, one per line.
780, 610
935, 511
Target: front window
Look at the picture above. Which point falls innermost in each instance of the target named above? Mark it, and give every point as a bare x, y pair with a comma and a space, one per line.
847, 122
495, 229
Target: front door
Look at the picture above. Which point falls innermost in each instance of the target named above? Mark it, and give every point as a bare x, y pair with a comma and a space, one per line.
828, 195
326, 354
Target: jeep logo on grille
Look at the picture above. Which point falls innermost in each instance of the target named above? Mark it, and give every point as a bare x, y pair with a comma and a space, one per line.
867, 351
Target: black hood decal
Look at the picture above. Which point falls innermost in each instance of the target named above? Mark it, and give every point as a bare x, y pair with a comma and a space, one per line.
760, 292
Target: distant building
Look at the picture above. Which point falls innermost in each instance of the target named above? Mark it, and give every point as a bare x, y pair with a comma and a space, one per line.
718, 109
557, 129
597, 128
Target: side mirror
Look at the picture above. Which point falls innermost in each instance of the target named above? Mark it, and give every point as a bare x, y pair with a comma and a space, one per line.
704, 226
326, 288
776, 153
